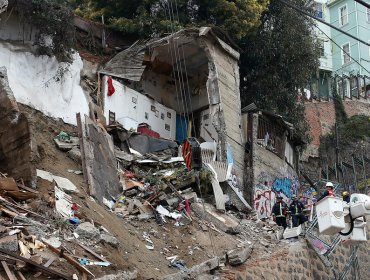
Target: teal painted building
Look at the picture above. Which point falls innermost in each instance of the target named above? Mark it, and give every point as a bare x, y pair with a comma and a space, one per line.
350, 58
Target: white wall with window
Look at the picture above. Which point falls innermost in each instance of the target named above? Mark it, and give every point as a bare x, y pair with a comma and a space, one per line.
346, 53
343, 15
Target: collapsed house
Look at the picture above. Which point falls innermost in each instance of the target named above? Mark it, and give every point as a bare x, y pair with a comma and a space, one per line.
272, 156
183, 85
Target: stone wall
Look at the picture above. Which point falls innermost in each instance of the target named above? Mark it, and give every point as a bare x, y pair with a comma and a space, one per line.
300, 262
15, 138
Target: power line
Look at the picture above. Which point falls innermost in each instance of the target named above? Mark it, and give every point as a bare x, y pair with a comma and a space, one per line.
367, 5
342, 49
323, 21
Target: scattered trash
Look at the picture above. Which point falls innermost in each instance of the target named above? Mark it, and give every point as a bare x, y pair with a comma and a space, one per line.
74, 221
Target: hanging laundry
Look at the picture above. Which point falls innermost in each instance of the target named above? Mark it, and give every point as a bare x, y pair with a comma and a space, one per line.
111, 88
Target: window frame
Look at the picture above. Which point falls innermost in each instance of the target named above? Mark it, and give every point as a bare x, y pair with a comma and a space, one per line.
340, 15
319, 14
343, 53
321, 42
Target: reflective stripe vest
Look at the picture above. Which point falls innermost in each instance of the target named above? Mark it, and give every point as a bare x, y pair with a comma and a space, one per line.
281, 213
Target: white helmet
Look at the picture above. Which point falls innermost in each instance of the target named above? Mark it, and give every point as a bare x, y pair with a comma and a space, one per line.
329, 184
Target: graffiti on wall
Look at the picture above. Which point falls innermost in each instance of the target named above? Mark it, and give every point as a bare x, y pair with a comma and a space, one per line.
269, 188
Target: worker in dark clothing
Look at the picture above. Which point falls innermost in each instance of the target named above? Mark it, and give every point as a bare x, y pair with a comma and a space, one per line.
346, 197
279, 211
296, 211
329, 190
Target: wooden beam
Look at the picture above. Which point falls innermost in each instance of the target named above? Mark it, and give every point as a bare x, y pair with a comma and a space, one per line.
20, 274
82, 147
69, 259
41, 267
92, 252
10, 274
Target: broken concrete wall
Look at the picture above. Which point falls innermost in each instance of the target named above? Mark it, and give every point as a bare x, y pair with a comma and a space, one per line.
15, 138
100, 162
225, 109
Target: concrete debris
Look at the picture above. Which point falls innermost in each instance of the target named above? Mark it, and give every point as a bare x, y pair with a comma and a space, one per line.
221, 221
63, 183
9, 243
75, 154
33, 227
88, 231
208, 265
110, 240
54, 241
239, 256
66, 145
120, 276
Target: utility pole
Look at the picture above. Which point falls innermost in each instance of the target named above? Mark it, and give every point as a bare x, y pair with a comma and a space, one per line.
336, 144
103, 33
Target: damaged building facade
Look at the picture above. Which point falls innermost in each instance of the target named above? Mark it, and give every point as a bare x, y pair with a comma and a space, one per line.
183, 85
272, 156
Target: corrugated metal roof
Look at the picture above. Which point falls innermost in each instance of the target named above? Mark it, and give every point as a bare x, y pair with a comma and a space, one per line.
128, 64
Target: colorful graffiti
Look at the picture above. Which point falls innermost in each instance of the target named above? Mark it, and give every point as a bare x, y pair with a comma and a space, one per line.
263, 203
285, 186
267, 191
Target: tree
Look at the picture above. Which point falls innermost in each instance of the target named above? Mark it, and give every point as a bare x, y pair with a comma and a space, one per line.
278, 60
155, 17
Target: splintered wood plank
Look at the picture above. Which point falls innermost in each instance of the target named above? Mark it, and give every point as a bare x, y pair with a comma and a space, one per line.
92, 252
10, 274
45, 269
20, 274
69, 259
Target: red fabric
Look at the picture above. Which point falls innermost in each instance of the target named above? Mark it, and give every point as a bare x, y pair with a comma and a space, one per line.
187, 206
111, 88
148, 131
74, 207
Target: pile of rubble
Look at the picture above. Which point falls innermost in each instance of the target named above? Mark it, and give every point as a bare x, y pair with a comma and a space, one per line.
32, 244
155, 184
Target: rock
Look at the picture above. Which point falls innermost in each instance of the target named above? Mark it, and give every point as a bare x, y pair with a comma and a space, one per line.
67, 146
34, 228
9, 243
110, 240
207, 277
75, 154
239, 256
145, 216
88, 231
125, 275
205, 266
221, 221
181, 275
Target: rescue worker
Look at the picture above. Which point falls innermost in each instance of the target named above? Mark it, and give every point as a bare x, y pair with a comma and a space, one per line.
296, 211
279, 211
346, 197
329, 190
